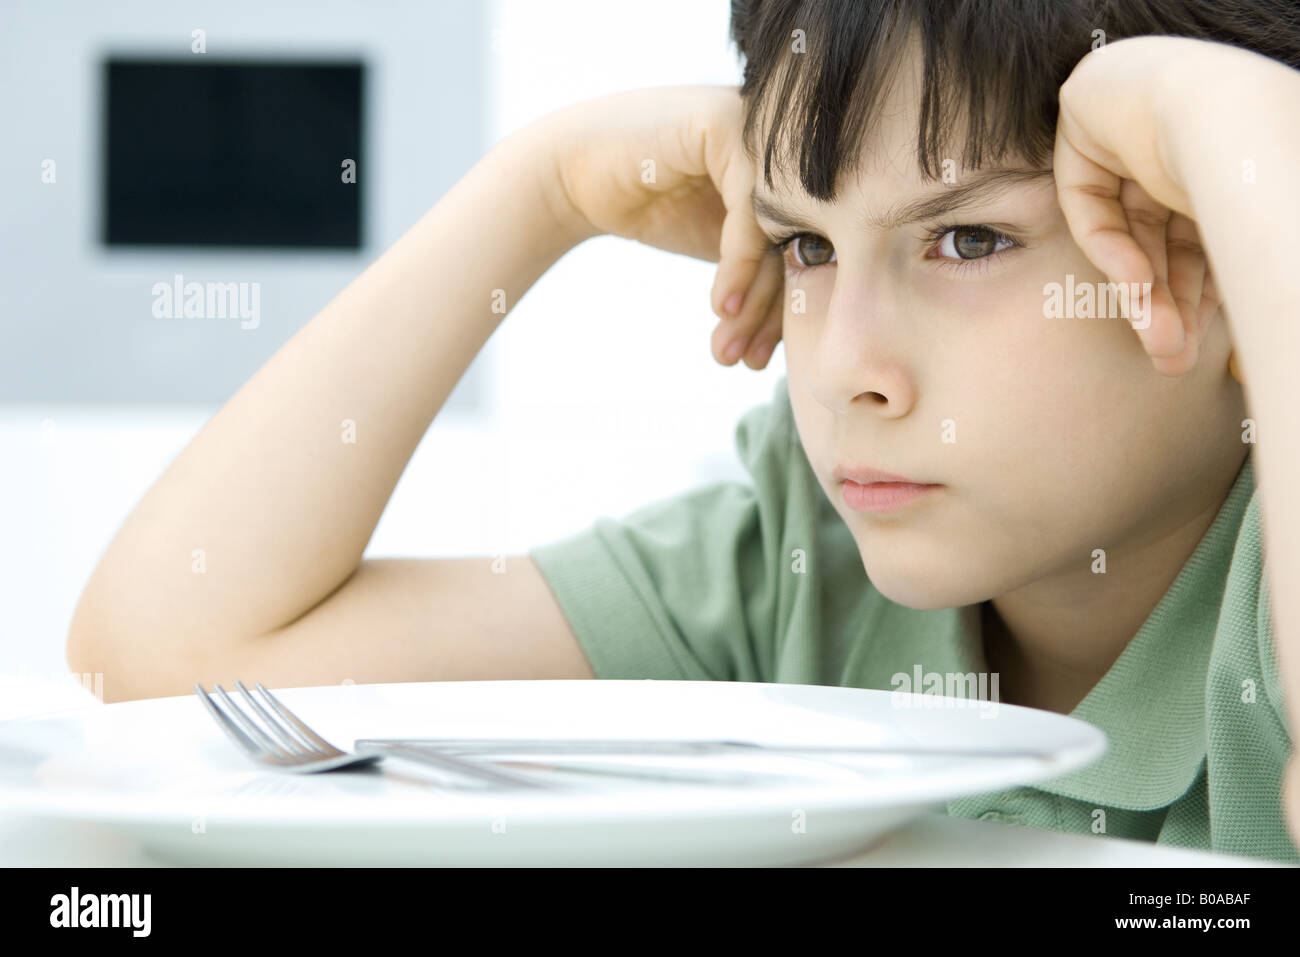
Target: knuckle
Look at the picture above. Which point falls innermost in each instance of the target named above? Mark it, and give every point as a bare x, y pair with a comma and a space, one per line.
1146, 217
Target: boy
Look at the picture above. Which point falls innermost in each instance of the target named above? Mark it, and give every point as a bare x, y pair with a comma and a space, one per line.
953, 475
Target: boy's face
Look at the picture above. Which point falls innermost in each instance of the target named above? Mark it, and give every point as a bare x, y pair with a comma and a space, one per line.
1050, 437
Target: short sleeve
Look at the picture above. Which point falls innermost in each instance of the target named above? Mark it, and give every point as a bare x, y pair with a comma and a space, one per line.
685, 588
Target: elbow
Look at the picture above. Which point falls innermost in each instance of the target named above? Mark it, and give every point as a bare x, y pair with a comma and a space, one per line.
91, 654
128, 662
84, 656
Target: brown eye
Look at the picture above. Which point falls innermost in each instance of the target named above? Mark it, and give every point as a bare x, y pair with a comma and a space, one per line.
974, 242
810, 250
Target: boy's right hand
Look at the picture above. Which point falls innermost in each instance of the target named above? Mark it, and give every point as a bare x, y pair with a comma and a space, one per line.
665, 166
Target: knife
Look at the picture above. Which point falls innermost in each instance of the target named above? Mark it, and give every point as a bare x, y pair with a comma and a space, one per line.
419, 750
557, 746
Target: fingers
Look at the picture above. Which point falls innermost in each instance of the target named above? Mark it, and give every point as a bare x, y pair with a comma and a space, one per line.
763, 342
1163, 236
1210, 302
1207, 312
750, 274
1187, 268
1172, 245
754, 332
742, 246
742, 249
1122, 241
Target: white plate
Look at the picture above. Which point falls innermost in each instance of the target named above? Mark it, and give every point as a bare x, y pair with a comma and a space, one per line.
162, 771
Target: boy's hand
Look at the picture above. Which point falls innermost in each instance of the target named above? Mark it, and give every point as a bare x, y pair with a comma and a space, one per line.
1125, 207
665, 166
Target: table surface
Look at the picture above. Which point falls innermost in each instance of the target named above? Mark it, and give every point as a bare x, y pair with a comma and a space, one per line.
931, 841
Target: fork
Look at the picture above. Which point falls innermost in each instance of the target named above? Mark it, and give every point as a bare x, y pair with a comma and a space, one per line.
299, 749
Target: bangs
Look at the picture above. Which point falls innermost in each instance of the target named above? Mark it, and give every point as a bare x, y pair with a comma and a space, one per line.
997, 65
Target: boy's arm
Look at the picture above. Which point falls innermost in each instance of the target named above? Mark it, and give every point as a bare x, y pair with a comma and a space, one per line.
1229, 127
280, 500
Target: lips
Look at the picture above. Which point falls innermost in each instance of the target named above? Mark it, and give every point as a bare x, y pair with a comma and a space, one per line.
866, 489
862, 475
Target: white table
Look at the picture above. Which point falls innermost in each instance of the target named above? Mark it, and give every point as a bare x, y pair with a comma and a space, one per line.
934, 841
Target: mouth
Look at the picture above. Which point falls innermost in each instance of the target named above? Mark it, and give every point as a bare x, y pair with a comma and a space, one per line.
871, 490
883, 496
863, 475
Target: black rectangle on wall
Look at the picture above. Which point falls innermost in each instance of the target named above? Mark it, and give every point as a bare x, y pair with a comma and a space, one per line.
232, 153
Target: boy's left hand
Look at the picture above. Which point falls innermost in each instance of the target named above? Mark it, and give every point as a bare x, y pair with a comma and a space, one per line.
1124, 206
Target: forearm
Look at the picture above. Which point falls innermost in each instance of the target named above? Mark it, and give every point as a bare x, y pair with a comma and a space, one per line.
1235, 154
279, 504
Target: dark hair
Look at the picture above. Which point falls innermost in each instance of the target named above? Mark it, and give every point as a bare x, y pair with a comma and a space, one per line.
1004, 60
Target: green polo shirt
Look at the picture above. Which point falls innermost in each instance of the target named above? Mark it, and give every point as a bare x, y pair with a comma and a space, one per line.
762, 581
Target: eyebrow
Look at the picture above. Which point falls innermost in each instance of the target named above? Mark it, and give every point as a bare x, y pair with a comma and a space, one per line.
982, 187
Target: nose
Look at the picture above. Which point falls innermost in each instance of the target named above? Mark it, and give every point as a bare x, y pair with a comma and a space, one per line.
857, 358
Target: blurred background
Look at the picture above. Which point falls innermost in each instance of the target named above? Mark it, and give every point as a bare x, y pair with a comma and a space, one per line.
152, 145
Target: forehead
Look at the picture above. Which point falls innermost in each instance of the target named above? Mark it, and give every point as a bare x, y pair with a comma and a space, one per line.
887, 181
885, 156
887, 97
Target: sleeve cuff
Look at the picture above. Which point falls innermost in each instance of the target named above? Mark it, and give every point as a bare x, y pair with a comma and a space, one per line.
607, 614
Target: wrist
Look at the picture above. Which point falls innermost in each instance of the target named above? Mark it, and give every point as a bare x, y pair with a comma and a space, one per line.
534, 151
1238, 92
1180, 119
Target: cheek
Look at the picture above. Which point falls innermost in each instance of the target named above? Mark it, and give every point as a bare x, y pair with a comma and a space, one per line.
808, 294
802, 317
965, 302
1054, 398
1042, 408
1067, 440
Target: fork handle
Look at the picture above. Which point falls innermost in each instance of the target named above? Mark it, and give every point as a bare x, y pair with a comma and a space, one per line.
446, 762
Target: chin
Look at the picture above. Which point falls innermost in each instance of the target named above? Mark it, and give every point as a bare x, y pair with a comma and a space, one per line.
909, 595
925, 588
